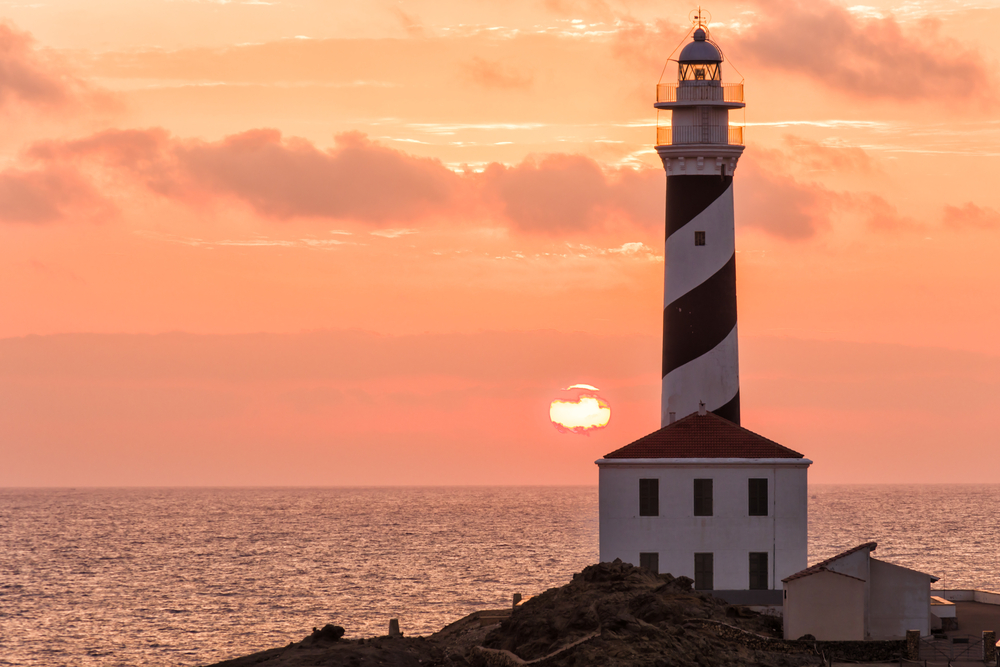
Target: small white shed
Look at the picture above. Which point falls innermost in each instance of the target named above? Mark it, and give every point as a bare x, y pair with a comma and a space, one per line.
853, 596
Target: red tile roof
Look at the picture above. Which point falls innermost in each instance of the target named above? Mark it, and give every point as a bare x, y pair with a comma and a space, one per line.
822, 565
706, 436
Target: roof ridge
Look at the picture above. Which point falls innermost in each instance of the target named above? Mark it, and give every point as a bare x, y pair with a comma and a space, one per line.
822, 565
703, 436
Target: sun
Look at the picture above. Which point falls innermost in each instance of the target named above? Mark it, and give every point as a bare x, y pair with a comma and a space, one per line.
582, 412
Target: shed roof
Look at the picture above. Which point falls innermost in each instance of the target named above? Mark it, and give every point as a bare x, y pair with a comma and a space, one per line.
703, 436
822, 565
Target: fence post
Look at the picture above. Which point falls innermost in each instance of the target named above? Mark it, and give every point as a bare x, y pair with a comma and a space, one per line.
989, 646
912, 644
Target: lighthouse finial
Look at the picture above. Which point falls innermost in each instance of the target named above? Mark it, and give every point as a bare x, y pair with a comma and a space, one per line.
700, 18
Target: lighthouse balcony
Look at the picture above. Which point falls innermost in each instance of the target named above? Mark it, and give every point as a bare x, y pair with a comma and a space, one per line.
671, 95
699, 134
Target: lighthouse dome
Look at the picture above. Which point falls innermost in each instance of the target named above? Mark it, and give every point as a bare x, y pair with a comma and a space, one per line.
700, 50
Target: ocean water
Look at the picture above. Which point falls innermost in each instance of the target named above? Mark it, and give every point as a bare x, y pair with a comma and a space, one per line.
192, 576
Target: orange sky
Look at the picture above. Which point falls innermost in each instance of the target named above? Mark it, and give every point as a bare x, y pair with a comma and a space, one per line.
368, 242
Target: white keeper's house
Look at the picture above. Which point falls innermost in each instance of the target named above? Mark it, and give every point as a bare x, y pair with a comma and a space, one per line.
705, 498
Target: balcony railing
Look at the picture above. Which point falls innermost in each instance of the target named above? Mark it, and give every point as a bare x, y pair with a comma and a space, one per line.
672, 92
700, 134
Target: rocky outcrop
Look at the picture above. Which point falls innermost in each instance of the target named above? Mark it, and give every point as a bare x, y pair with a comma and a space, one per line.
616, 614
611, 614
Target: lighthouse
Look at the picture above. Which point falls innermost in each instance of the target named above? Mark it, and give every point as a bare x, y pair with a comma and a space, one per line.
704, 497
700, 151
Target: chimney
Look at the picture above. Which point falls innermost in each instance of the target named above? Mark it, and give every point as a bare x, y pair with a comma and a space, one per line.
673, 417
701, 408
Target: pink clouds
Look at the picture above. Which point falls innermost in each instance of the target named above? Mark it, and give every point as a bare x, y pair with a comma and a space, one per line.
363, 181
492, 74
818, 157
27, 74
970, 216
278, 178
559, 193
869, 58
37, 78
773, 197
769, 199
357, 180
46, 195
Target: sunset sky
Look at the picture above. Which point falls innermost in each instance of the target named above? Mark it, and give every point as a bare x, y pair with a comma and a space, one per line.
302, 242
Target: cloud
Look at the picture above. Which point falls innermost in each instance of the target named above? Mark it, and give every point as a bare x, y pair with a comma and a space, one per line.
561, 192
817, 157
864, 57
970, 216
35, 77
363, 181
358, 179
879, 215
409, 23
278, 178
491, 74
47, 194
771, 199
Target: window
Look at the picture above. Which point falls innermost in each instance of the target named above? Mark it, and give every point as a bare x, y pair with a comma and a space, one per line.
758, 497
699, 72
650, 561
699, 238
649, 497
704, 572
703, 497
758, 571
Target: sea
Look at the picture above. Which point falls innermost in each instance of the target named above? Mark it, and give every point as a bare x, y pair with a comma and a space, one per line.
191, 576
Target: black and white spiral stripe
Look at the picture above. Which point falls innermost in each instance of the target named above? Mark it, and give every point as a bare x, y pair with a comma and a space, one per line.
700, 353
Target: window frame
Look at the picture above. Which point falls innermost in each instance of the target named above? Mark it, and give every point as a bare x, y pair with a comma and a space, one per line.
704, 499
758, 497
758, 576
699, 238
648, 556
701, 572
649, 496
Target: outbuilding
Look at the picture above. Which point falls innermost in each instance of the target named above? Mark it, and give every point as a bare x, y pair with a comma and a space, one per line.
853, 596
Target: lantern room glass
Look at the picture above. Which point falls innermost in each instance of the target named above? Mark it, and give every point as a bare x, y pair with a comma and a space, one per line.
699, 72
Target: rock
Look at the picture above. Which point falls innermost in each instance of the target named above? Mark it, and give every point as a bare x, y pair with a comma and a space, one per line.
329, 633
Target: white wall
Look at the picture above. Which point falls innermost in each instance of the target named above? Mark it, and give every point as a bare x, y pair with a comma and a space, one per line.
731, 534
986, 597
900, 601
826, 605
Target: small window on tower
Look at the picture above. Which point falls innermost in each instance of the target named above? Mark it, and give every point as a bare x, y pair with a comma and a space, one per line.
699, 238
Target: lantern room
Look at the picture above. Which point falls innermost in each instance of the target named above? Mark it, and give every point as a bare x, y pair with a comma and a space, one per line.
699, 103
700, 63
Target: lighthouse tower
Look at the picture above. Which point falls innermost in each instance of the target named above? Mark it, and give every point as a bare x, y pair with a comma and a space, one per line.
700, 151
